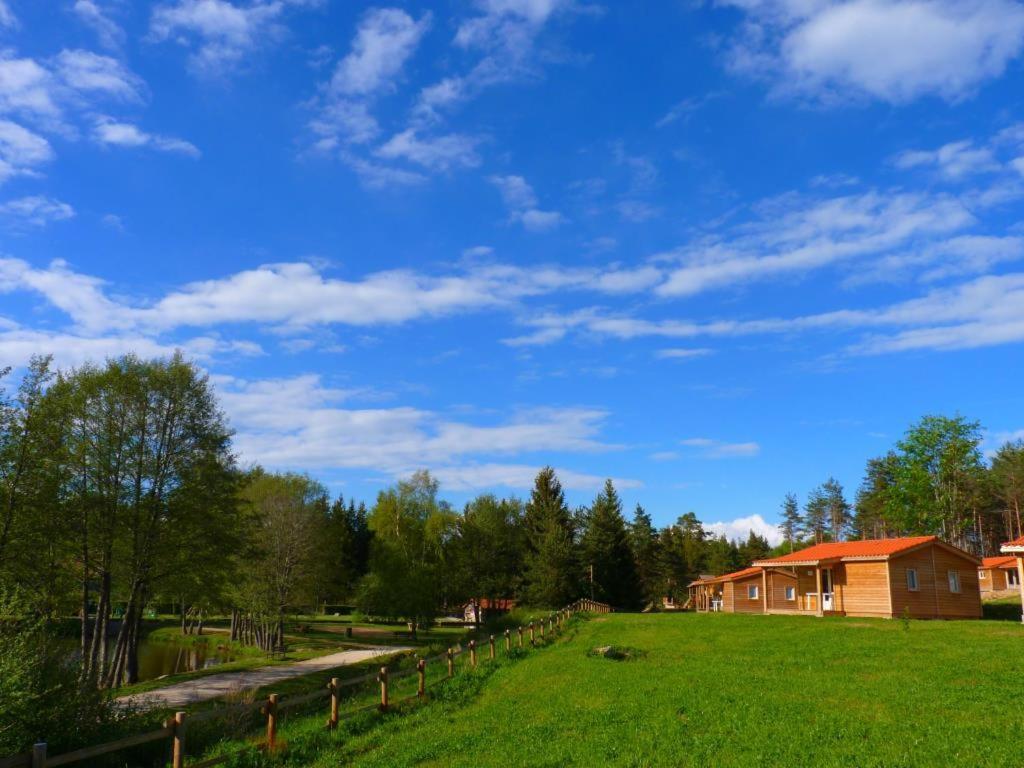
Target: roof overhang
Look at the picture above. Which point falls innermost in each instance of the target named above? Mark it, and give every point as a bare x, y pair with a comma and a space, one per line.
1008, 549
792, 563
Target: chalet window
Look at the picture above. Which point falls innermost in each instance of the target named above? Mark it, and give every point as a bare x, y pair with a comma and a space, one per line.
912, 579
954, 580
791, 593
752, 592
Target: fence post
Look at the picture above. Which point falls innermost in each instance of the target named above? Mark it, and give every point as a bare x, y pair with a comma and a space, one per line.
492, 647
177, 726
472, 653
508, 640
533, 635
271, 722
333, 722
39, 755
383, 677
542, 627
451, 663
421, 669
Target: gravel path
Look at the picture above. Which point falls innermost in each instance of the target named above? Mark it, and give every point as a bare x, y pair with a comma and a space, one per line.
213, 686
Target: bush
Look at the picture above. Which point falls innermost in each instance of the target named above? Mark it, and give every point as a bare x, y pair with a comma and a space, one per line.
43, 698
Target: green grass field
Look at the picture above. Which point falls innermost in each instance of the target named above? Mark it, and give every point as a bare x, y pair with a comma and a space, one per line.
718, 690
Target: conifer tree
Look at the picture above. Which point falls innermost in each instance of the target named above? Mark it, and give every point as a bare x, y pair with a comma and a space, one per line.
551, 569
792, 521
605, 548
645, 544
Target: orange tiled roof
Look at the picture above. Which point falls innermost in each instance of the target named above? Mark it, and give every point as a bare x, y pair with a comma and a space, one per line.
731, 576
501, 604
1016, 544
868, 549
999, 562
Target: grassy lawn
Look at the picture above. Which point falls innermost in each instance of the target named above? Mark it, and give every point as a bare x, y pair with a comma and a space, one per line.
722, 690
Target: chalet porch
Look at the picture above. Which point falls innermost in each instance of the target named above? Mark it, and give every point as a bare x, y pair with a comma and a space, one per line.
706, 597
802, 590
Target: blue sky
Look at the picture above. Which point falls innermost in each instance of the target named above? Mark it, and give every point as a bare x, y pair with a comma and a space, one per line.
717, 251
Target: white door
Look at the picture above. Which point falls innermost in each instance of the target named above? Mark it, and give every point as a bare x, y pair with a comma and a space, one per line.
827, 594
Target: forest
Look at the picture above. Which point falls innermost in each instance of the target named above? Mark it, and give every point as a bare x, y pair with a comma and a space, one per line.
121, 497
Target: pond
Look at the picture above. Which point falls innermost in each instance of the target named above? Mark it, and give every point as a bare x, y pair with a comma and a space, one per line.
157, 658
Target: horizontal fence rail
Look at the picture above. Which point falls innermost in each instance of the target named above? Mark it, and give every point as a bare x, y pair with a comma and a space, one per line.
175, 728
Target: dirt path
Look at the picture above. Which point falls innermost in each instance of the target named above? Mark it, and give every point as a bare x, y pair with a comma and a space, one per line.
213, 686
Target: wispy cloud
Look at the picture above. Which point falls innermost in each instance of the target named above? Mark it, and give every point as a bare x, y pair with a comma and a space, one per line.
719, 449
220, 35
111, 132
94, 15
35, 211
522, 204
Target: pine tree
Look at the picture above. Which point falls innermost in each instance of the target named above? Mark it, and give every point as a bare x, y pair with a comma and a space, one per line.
605, 548
645, 544
816, 515
792, 521
723, 556
754, 548
837, 509
551, 569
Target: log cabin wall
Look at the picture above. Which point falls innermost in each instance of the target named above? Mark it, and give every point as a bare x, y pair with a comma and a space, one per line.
933, 598
864, 589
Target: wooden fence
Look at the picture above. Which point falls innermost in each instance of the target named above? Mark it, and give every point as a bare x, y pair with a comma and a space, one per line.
174, 730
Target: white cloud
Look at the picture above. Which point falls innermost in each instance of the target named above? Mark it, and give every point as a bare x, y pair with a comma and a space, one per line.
440, 153
955, 160
504, 33
7, 17
740, 528
718, 449
521, 201
88, 72
379, 176
474, 477
295, 422
220, 34
681, 353
27, 89
35, 211
18, 346
108, 32
21, 151
893, 50
664, 456
297, 295
384, 41
111, 132
794, 236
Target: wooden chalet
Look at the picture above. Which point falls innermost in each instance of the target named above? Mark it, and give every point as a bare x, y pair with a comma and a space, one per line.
751, 590
1016, 549
918, 576
483, 608
998, 576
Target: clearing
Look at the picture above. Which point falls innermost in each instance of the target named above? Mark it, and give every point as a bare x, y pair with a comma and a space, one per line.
723, 690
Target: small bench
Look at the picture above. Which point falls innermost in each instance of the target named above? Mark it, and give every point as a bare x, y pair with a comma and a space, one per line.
279, 651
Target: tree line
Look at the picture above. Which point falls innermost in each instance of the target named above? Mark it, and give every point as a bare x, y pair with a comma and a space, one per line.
936, 480
120, 496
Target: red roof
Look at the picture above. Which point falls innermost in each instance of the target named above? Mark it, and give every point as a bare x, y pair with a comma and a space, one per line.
999, 562
494, 605
869, 549
1015, 544
728, 576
